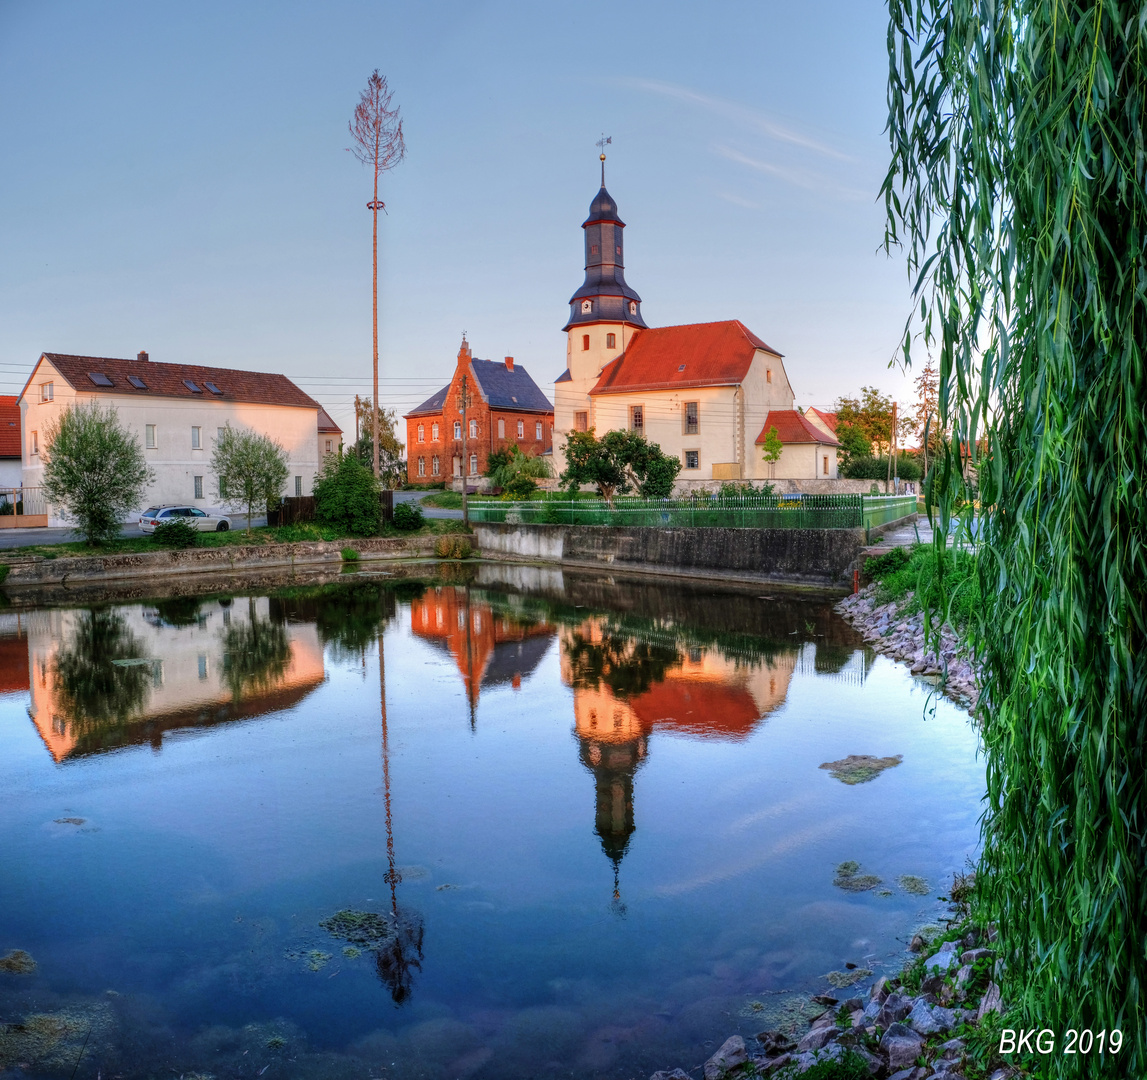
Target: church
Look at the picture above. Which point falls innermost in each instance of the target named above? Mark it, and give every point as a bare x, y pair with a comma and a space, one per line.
707, 393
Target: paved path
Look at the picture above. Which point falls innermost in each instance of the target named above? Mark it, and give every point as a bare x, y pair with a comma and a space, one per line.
429, 511
17, 538
919, 531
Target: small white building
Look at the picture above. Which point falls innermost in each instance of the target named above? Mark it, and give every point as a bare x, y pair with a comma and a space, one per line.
177, 412
10, 463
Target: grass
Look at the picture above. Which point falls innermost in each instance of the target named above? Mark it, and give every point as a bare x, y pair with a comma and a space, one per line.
901, 571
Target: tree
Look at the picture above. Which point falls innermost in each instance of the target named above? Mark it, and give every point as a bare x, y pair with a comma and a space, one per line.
772, 447
347, 496
378, 143
95, 471
391, 470
517, 472
252, 469
854, 444
616, 463
1017, 189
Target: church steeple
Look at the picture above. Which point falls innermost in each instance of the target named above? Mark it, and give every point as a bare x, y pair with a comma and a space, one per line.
604, 295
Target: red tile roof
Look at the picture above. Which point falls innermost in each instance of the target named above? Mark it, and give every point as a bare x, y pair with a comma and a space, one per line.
326, 423
827, 418
794, 428
677, 357
9, 426
166, 380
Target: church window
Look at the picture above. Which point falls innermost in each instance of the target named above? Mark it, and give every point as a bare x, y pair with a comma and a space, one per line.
632, 307
581, 421
434, 432
611, 341
501, 428
422, 466
434, 466
637, 418
692, 459
521, 428
825, 460
473, 429
585, 343
421, 433
457, 429
692, 416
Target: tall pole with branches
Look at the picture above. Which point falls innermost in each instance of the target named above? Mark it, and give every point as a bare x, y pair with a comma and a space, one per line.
378, 143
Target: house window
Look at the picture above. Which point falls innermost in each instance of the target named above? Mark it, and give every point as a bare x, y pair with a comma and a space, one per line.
434, 432
35, 442
47, 390
150, 440
611, 341
692, 459
298, 486
637, 418
824, 459
329, 446
581, 421
457, 429
501, 429
434, 466
585, 343
692, 416
593, 249
521, 429
422, 466
538, 431
202, 666
198, 486
473, 464
768, 374
473, 429
421, 433
196, 438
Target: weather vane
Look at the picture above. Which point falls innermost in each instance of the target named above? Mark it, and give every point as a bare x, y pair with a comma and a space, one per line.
601, 144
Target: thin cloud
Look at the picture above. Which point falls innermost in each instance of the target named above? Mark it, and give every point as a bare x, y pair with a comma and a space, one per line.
810, 181
742, 113
736, 200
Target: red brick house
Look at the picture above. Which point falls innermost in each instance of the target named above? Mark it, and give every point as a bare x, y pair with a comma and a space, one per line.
506, 409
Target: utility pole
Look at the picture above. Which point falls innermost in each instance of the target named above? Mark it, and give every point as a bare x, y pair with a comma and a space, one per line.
463, 402
891, 450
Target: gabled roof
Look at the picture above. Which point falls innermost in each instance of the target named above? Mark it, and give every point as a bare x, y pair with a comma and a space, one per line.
9, 426
794, 428
822, 418
167, 380
677, 357
326, 423
501, 387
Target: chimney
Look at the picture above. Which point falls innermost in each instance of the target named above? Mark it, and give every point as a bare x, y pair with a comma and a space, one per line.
509, 363
141, 356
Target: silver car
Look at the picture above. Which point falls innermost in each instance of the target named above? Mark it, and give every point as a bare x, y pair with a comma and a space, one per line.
203, 520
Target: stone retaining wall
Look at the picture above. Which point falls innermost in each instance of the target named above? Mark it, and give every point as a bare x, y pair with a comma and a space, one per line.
36, 570
796, 556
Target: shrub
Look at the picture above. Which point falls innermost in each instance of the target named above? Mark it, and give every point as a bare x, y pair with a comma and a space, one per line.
349, 554
879, 566
408, 517
176, 534
347, 496
876, 468
453, 547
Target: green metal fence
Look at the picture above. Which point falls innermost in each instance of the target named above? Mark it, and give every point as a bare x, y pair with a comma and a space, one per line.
881, 509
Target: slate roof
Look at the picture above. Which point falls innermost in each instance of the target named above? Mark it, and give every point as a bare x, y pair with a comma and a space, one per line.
166, 380
678, 357
794, 428
502, 388
326, 423
9, 426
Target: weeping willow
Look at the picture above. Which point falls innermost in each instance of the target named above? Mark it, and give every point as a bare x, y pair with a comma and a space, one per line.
1016, 190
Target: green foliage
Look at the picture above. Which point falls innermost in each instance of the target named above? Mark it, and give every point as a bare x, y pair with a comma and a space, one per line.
879, 567
251, 469
851, 1066
772, 447
95, 472
870, 415
920, 570
5, 570
452, 547
408, 516
1017, 188
177, 533
255, 654
618, 462
349, 554
876, 468
517, 472
347, 496
495, 460
392, 470
731, 489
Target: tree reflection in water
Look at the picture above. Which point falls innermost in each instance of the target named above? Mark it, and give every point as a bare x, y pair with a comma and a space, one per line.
101, 672
255, 654
627, 665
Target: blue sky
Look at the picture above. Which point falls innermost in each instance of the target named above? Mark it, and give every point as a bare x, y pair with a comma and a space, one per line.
175, 179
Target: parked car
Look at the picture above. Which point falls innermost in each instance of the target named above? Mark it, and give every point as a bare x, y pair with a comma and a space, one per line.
203, 520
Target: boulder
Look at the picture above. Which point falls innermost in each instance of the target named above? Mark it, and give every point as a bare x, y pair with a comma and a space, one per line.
990, 1002
963, 977
676, 1074
902, 1046
944, 960
769, 1064
972, 955
774, 1042
879, 990
809, 1058
894, 1009
816, 1038
731, 1055
953, 1047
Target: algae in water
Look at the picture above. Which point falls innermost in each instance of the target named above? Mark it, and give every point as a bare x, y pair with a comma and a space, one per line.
841, 979
366, 929
849, 878
860, 768
17, 962
917, 886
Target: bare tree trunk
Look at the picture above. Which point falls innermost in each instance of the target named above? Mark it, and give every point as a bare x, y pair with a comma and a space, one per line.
374, 411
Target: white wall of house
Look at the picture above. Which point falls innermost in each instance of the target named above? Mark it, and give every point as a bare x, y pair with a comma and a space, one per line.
174, 459
11, 472
802, 461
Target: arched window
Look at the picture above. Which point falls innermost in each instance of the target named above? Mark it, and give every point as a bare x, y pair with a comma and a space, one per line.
422, 466
434, 432
473, 429
421, 433
457, 429
434, 466
521, 429
501, 428
585, 343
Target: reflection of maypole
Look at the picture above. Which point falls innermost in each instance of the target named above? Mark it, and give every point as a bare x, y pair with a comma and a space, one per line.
401, 956
471, 689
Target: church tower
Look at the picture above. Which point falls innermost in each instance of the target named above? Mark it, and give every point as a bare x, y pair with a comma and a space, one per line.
605, 313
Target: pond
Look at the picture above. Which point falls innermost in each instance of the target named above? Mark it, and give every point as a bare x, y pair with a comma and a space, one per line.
505, 823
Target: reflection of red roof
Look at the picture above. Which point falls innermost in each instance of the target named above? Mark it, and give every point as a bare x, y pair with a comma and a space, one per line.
13, 664
705, 709
826, 418
794, 428
673, 357
9, 427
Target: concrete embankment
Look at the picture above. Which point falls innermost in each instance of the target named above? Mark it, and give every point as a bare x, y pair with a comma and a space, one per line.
821, 557
31, 572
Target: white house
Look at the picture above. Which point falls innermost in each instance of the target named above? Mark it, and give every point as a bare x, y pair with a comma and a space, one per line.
707, 393
10, 463
177, 411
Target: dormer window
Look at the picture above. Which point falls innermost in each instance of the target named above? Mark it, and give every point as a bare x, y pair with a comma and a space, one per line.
99, 378
586, 307
137, 382
192, 387
213, 388
632, 307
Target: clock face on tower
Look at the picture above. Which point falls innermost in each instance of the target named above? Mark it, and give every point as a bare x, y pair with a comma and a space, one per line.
586, 306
